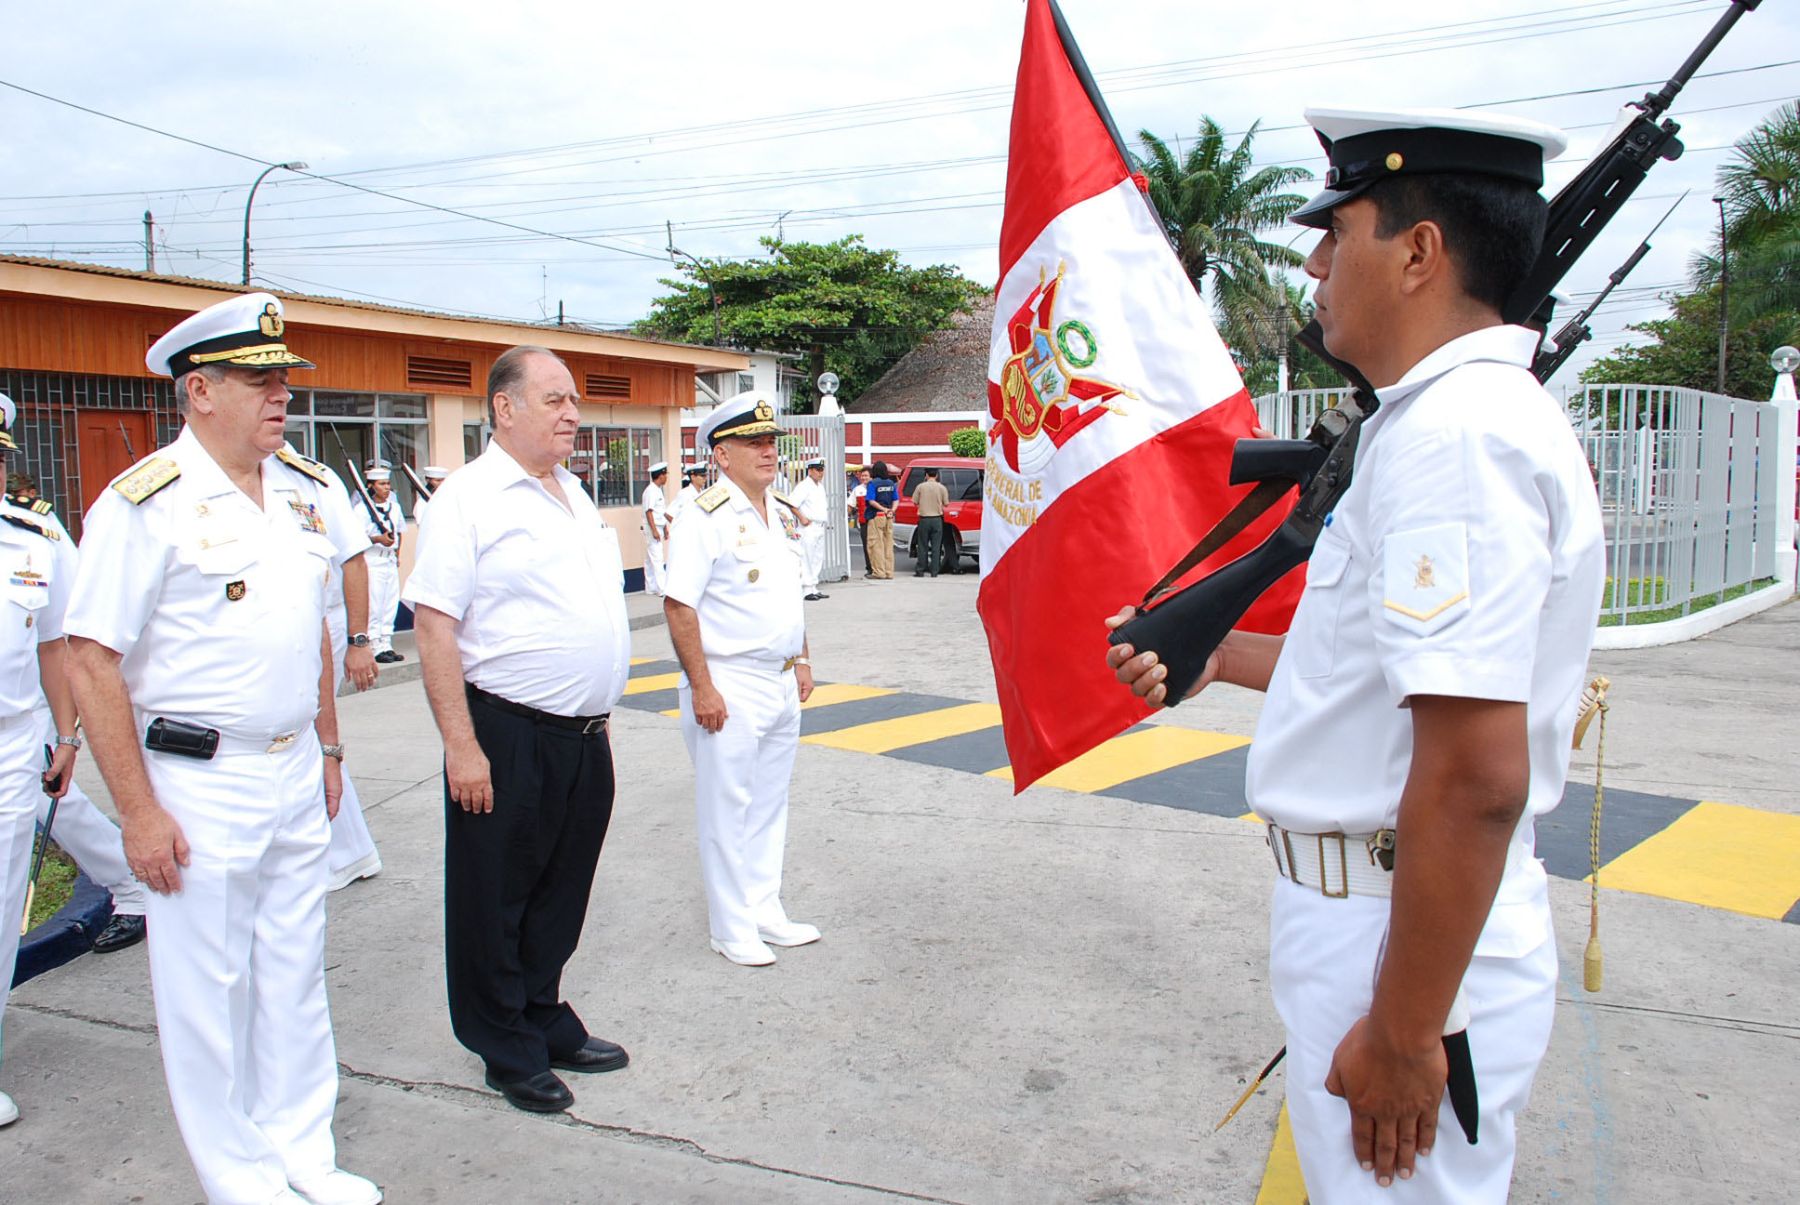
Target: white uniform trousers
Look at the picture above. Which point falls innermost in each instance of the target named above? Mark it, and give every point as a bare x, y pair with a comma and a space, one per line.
89, 836
656, 553
741, 778
384, 601
1322, 956
237, 970
812, 558
352, 854
21, 786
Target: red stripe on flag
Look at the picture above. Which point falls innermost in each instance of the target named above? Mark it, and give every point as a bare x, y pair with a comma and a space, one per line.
1061, 153
1045, 604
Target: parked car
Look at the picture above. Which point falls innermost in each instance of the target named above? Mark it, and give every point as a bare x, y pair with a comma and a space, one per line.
962, 476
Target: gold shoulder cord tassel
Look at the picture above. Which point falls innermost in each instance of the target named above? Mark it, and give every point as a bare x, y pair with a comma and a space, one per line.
1593, 703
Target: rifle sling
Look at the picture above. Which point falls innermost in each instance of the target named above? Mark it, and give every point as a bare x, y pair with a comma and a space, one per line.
1253, 504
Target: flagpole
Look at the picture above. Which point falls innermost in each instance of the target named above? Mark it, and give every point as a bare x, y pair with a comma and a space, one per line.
1087, 80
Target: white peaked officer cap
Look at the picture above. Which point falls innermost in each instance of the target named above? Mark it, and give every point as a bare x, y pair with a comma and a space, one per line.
435, 472
246, 330
661, 466
1366, 146
8, 412
815, 463
374, 475
739, 416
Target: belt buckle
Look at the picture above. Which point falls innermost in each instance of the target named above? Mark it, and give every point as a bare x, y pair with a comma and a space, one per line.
281, 742
597, 724
1381, 849
1343, 892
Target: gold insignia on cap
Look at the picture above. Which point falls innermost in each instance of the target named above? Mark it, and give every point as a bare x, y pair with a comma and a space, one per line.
764, 413
1395, 161
1423, 577
270, 322
234, 590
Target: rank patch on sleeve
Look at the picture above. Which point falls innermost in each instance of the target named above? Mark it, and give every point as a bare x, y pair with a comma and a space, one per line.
1425, 577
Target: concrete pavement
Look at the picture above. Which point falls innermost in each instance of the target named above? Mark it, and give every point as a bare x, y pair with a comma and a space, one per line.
1045, 998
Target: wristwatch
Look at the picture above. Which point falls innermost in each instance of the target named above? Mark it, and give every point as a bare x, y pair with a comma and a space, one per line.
336, 751
73, 742
359, 641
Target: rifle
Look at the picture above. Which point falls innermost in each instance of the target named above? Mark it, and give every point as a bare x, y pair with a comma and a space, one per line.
419, 486
1575, 331
37, 858
126, 436
362, 487
1184, 627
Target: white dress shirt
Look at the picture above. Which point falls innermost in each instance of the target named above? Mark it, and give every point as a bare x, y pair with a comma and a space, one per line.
537, 591
652, 505
809, 496
393, 522
341, 514
1465, 560
40, 572
216, 605
742, 575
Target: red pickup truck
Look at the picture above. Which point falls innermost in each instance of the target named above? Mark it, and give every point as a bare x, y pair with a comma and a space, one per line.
962, 476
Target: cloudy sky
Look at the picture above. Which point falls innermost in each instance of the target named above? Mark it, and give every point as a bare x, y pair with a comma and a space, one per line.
583, 132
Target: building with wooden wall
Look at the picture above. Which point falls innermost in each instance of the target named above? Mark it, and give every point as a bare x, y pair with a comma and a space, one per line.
407, 385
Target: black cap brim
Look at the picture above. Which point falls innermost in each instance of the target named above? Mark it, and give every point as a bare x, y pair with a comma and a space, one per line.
1316, 213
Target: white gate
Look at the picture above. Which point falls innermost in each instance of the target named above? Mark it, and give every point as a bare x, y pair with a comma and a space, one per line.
812, 437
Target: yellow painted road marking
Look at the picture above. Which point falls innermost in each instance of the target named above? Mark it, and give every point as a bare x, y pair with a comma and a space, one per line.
1133, 755
643, 660
1282, 1183
1719, 855
650, 682
883, 736
827, 693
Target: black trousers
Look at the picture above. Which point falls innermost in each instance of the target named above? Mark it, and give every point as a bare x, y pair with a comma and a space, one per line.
931, 543
516, 883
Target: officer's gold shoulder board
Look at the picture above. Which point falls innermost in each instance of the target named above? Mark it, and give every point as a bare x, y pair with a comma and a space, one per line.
712, 499
41, 506
304, 464
145, 477
49, 533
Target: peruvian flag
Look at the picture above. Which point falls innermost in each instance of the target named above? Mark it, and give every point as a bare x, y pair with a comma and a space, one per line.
1113, 407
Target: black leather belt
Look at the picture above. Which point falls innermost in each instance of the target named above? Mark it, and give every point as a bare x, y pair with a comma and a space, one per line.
586, 725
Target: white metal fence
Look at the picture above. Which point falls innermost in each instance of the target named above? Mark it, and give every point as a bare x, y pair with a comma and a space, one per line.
822, 438
1689, 487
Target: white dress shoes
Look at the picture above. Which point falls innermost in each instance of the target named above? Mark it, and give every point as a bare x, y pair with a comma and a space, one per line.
745, 953
9, 1112
338, 1188
789, 933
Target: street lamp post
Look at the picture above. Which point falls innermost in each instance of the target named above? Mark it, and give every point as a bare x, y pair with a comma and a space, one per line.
295, 166
1724, 291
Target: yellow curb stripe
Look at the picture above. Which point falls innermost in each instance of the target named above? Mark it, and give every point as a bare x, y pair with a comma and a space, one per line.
1133, 755
883, 736
650, 682
646, 660
826, 693
1282, 1183
1718, 855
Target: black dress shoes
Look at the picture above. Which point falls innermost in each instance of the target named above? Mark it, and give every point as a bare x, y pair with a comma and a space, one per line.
596, 1054
120, 931
540, 1093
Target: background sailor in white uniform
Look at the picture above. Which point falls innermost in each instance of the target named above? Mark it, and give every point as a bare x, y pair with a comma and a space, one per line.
198, 633
655, 506
385, 525
735, 618
809, 499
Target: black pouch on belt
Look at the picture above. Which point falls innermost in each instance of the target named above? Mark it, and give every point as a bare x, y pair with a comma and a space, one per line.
182, 739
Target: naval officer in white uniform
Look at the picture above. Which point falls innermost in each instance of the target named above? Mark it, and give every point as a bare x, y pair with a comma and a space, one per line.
809, 499
1420, 707
40, 570
655, 505
385, 524
734, 613
200, 657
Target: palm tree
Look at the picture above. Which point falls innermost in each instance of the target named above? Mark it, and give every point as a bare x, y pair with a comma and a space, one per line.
1761, 189
1215, 203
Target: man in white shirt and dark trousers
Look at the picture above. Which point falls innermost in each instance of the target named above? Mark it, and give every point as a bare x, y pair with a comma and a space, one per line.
735, 618
809, 499
385, 524
1420, 707
200, 658
520, 602
40, 568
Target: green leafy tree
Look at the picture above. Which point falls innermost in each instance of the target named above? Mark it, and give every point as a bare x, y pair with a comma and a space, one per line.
1684, 350
1760, 185
968, 441
842, 305
1216, 204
